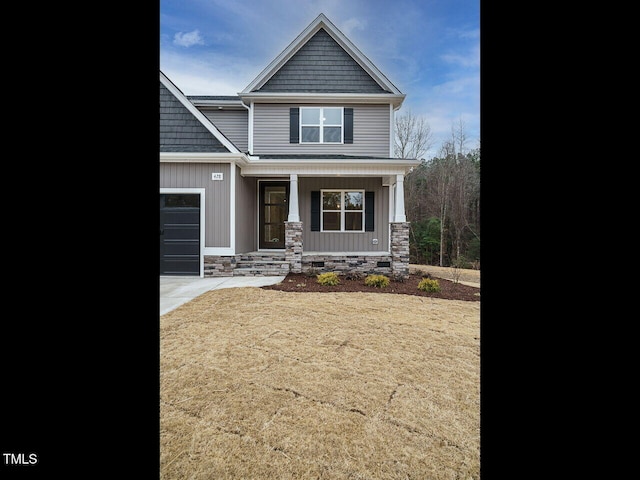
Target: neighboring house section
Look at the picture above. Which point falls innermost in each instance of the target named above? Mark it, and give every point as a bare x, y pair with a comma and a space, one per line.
296, 173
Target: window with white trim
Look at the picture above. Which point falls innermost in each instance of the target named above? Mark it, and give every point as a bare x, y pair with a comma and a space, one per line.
321, 124
342, 211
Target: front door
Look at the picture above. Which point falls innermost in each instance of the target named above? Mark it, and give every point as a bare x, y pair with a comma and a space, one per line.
274, 211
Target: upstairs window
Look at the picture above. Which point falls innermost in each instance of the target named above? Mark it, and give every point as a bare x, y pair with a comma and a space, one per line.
321, 124
331, 125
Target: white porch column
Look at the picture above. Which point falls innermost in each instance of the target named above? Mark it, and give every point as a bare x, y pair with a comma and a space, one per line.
400, 215
294, 210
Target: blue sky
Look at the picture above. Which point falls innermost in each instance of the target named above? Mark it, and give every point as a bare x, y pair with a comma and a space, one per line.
429, 49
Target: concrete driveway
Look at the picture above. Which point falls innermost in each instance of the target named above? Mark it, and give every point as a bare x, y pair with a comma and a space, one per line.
176, 290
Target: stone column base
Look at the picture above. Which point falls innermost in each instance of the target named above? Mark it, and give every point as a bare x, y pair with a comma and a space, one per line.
293, 245
400, 250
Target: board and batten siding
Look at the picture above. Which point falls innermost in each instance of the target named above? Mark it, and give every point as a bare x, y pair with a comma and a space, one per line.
217, 195
234, 124
246, 214
343, 241
371, 125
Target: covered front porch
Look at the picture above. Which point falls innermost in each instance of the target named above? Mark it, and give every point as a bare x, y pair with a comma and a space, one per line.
299, 228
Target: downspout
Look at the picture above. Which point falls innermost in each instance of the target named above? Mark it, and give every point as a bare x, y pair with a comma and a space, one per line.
249, 127
392, 128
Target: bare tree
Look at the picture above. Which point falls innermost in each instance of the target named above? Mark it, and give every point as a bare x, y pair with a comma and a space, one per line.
459, 137
445, 187
413, 137
443, 173
459, 188
463, 193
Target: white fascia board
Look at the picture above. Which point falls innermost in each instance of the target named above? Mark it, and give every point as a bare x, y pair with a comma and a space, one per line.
326, 98
197, 113
400, 163
321, 21
217, 103
203, 157
324, 168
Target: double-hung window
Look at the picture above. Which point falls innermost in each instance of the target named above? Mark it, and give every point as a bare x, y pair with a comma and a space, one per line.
321, 124
342, 211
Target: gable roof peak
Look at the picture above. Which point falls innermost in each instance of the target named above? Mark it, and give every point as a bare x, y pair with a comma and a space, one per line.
322, 22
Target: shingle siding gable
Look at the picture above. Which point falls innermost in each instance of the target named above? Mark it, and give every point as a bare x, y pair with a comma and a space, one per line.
180, 131
321, 66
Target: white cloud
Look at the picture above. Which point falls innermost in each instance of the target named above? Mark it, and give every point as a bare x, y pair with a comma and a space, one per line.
469, 60
188, 39
460, 87
216, 74
351, 25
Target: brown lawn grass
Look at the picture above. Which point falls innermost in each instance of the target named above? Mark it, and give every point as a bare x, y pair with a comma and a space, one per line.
260, 384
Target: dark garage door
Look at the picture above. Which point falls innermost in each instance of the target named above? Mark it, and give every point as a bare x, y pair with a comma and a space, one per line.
179, 234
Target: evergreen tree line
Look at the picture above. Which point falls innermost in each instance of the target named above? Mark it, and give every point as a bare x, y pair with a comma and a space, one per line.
442, 196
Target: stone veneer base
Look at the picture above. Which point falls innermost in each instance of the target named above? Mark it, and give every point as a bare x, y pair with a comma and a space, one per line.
398, 259
341, 264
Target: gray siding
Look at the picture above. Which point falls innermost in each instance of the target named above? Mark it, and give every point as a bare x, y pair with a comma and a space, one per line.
321, 65
180, 131
234, 124
217, 195
246, 217
340, 241
371, 125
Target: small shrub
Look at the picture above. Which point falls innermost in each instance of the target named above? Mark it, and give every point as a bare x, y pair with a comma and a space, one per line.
379, 281
353, 276
329, 278
311, 272
429, 285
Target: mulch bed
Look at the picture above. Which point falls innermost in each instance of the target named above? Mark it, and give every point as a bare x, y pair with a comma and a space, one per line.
300, 282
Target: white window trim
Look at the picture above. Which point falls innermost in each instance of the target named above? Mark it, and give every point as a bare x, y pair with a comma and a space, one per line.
342, 209
321, 126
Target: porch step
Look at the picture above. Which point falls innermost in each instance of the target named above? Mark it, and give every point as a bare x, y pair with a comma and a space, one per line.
261, 265
262, 257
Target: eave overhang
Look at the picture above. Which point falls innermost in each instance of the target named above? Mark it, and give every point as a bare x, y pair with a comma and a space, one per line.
309, 167
203, 157
323, 98
216, 103
254, 166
